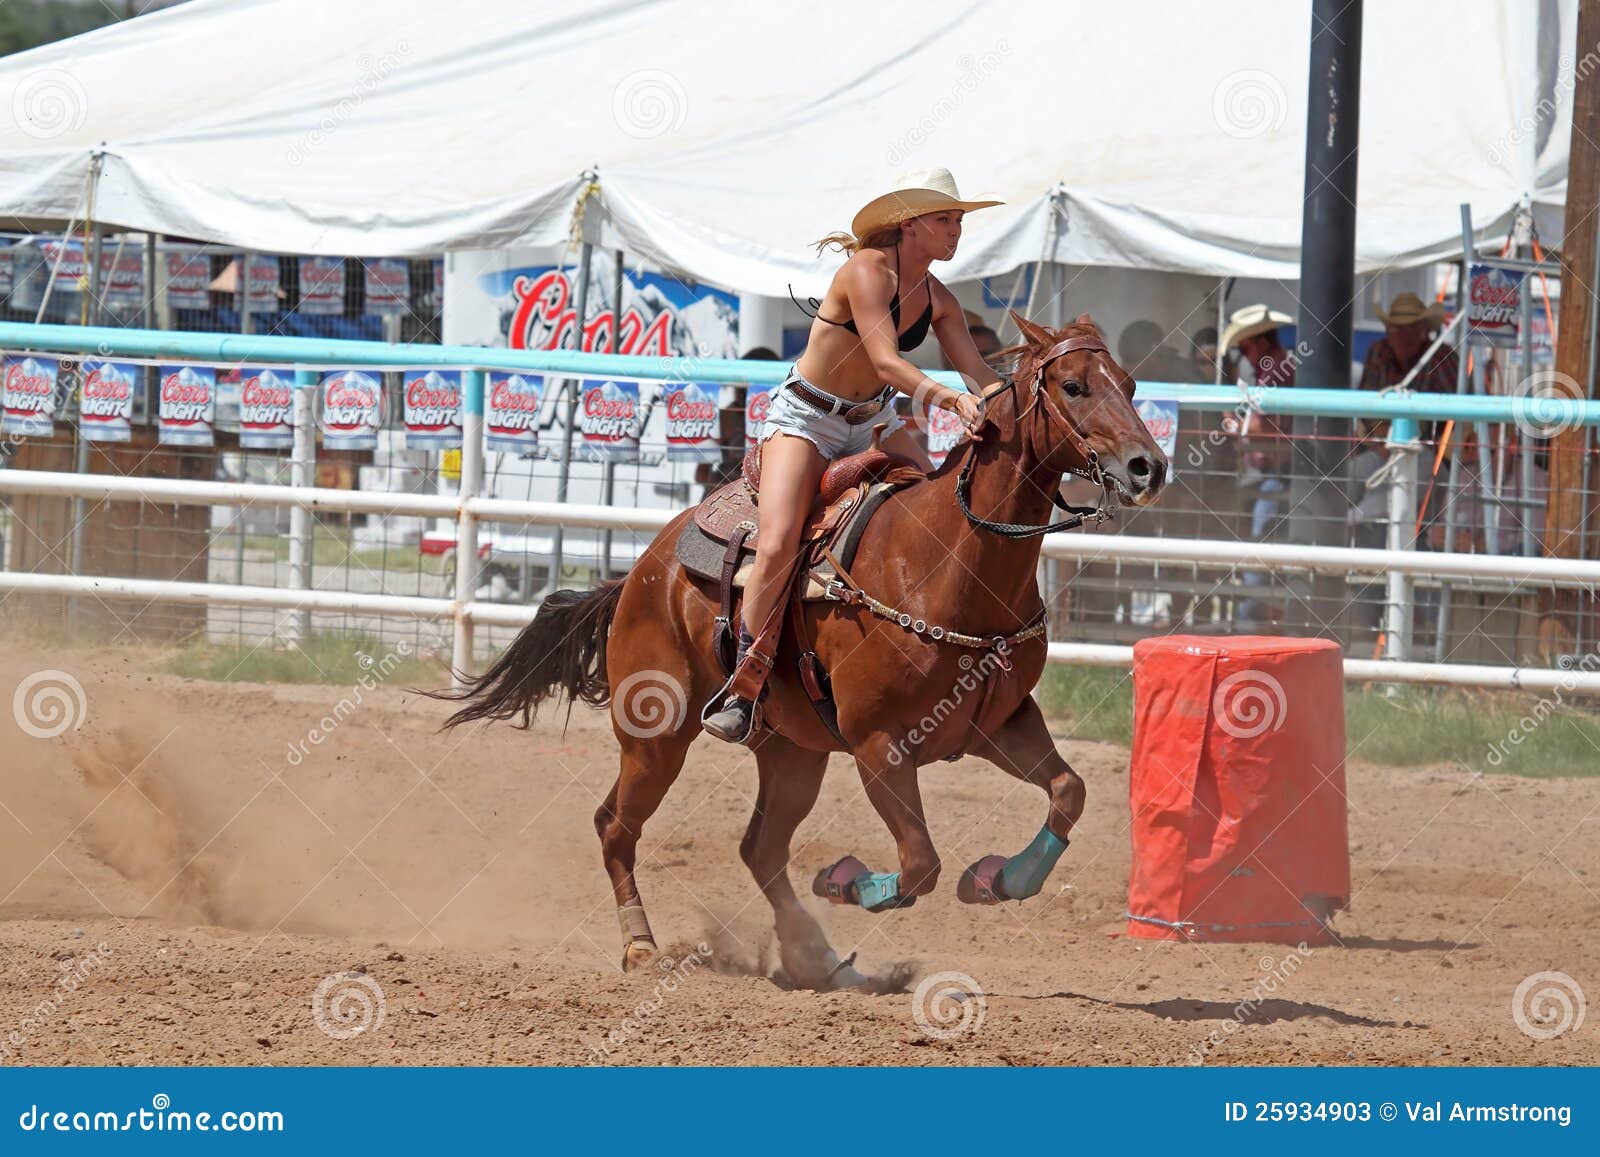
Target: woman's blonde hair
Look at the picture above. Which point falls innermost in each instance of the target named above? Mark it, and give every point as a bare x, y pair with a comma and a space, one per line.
849, 245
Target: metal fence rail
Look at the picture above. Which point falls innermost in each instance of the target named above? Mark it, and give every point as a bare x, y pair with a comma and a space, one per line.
1397, 569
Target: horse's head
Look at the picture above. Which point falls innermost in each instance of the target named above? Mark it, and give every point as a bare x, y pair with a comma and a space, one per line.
1087, 404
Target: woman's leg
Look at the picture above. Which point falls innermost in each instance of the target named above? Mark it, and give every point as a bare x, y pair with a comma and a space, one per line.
791, 471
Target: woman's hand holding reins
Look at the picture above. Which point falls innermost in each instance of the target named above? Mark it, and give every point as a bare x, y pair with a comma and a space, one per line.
970, 411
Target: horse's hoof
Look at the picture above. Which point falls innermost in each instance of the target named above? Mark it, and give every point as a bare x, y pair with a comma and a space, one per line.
638, 954
843, 973
980, 883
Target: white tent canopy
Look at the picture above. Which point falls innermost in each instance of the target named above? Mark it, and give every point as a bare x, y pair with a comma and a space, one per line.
1160, 135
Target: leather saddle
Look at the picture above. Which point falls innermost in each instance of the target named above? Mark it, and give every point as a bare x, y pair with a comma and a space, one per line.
852, 489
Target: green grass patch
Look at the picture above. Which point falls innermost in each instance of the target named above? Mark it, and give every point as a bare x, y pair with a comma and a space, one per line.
330, 547
323, 658
1094, 702
1486, 731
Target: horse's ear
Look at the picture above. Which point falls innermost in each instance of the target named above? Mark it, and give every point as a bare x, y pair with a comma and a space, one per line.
1084, 319
1033, 334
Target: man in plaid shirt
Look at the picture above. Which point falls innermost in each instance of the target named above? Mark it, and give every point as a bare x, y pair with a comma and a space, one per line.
1410, 327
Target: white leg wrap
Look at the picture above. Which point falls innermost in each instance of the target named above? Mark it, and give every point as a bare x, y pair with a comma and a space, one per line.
634, 925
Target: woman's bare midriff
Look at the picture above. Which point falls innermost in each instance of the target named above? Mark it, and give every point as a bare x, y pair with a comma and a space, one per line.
836, 361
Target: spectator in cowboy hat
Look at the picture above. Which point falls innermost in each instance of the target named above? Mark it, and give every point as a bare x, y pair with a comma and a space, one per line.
1264, 443
1409, 327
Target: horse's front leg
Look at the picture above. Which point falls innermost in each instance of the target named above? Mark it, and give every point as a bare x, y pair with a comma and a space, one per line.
891, 784
1022, 747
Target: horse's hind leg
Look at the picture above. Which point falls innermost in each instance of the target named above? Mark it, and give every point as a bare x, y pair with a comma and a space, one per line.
791, 777
1022, 746
650, 766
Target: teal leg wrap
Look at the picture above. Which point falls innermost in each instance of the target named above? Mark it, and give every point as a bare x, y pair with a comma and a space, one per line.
1026, 872
880, 891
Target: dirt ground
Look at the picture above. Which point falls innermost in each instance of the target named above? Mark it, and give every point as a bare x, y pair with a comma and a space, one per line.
194, 876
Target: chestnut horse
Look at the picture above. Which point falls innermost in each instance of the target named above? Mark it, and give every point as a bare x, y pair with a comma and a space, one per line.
956, 552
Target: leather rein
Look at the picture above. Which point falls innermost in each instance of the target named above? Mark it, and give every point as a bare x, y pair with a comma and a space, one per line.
1077, 515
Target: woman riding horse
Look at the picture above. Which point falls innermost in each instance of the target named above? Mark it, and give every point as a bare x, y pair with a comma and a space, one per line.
852, 367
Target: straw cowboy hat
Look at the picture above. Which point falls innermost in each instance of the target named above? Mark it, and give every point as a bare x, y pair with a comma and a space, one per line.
924, 191
1408, 308
1250, 321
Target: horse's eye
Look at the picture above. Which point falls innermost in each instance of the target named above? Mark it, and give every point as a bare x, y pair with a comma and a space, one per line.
1073, 388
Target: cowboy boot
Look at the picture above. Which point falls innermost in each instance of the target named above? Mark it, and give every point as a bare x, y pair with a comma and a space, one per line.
732, 721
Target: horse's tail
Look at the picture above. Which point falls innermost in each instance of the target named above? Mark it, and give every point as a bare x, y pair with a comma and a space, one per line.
563, 651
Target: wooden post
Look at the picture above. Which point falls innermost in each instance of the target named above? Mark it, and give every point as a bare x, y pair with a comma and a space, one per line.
1568, 506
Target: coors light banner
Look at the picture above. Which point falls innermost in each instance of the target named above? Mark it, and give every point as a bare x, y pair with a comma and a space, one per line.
266, 408
534, 306
694, 430
262, 278
608, 416
511, 412
352, 410
29, 396
105, 410
188, 280
1161, 419
432, 406
757, 400
388, 285
186, 411
322, 285
1494, 307
944, 432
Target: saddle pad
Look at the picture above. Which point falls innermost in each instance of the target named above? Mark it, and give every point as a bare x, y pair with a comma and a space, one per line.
701, 555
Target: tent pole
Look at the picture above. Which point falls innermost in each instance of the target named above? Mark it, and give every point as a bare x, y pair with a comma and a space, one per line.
91, 306
1327, 290
564, 477
1453, 485
609, 483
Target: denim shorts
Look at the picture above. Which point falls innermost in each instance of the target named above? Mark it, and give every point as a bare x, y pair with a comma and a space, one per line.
829, 433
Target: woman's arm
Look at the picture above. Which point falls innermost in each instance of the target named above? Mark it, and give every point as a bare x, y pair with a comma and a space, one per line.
869, 290
955, 339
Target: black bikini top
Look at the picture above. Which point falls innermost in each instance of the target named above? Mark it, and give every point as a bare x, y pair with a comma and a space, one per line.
908, 341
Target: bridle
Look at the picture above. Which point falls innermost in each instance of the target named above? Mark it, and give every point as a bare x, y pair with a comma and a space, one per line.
1077, 515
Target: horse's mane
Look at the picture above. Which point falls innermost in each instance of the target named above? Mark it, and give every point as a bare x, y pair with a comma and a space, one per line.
1024, 358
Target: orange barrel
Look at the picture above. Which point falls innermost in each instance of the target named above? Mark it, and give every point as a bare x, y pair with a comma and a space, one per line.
1237, 789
